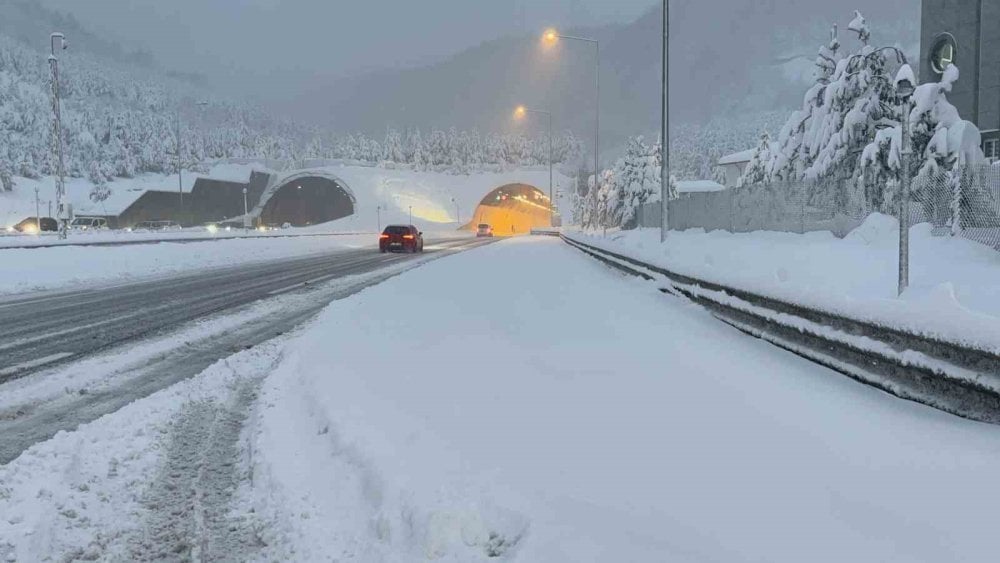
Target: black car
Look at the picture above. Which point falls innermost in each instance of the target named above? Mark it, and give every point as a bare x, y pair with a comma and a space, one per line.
32, 224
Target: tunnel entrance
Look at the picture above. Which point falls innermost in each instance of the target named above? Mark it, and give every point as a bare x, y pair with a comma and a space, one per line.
308, 200
513, 209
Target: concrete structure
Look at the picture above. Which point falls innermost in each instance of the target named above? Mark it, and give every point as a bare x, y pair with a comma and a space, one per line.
733, 165
965, 32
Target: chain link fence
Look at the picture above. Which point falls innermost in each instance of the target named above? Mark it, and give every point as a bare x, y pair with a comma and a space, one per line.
964, 204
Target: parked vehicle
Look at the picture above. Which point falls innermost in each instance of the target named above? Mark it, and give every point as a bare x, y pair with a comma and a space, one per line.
484, 230
156, 226
402, 238
31, 225
89, 224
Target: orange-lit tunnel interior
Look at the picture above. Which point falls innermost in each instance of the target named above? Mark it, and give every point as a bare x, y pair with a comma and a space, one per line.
513, 209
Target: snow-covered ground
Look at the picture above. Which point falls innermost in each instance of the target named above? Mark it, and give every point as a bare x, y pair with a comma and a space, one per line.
954, 283
524, 400
551, 409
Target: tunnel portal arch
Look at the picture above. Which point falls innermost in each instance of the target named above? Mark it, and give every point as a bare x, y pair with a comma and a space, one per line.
306, 198
513, 209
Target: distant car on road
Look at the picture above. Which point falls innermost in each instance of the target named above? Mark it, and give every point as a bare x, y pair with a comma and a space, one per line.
484, 230
31, 224
89, 224
402, 238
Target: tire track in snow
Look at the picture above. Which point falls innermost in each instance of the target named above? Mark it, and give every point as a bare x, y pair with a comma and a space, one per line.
191, 504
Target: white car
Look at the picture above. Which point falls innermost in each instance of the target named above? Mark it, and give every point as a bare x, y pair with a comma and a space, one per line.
89, 224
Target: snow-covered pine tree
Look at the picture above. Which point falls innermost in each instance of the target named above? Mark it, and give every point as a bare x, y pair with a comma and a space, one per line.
758, 170
99, 190
793, 154
856, 103
946, 143
392, 148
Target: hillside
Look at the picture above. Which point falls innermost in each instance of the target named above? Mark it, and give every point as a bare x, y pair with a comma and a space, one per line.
733, 63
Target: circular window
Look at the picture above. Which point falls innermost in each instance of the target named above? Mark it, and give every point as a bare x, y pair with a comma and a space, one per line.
943, 53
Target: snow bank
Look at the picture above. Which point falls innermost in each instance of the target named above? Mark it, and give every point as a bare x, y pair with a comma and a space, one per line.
81, 495
591, 418
954, 283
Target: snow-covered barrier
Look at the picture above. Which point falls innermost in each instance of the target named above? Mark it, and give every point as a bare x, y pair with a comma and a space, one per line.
959, 378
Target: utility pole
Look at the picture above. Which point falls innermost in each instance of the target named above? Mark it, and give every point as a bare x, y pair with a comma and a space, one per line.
57, 42
665, 129
246, 213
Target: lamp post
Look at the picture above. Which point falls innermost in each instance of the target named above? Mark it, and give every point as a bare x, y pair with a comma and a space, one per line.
38, 213
665, 129
411, 214
904, 86
246, 213
904, 89
551, 36
520, 113
378, 217
57, 42
458, 216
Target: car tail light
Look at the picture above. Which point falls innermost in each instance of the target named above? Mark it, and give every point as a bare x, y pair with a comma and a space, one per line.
383, 236
408, 237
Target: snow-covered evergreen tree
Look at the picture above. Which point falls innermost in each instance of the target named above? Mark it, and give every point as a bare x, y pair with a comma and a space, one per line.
793, 154
758, 170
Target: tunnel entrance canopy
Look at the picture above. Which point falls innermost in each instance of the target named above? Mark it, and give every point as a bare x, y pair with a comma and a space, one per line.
307, 200
513, 209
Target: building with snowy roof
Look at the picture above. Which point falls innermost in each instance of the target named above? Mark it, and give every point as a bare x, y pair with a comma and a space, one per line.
965, 32
733, 165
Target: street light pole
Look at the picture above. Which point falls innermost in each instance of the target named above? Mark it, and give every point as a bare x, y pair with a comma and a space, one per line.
411, 214
665, 129
57, 42
904, 205
246, 213
551, 36
458, 216
519, 113
38, 212
378, 217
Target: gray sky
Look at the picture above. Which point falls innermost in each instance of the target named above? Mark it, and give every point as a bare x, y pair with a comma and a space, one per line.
324, 36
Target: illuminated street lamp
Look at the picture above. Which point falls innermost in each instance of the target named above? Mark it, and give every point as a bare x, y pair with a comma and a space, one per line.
520, 113
550, 37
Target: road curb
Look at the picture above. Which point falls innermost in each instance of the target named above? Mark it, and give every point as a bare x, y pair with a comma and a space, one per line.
951, 376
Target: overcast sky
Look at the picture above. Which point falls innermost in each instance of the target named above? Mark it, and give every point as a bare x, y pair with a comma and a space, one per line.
325, 36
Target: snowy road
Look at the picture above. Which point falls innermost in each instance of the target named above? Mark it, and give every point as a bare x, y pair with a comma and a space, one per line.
88, 341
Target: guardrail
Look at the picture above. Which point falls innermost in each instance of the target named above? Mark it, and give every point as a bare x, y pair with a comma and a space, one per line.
954, 377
